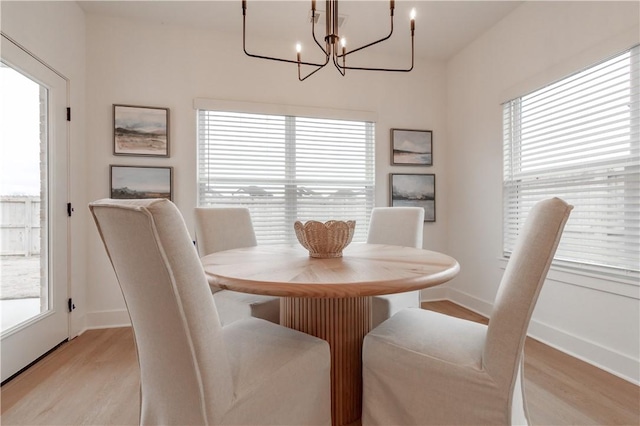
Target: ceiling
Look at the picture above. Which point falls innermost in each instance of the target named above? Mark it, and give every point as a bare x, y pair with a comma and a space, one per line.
443, 28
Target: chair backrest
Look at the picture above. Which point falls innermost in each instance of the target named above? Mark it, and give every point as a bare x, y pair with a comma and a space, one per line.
185, 374
398, 226
521, 283
223, 228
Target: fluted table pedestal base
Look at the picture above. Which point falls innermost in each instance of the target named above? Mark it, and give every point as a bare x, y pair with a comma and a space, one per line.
343, 323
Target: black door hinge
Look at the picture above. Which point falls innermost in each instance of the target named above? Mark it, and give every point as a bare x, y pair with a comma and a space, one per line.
70, 305
69, 209
68, 114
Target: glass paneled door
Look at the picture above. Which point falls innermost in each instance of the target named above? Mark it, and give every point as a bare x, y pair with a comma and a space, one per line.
33, 219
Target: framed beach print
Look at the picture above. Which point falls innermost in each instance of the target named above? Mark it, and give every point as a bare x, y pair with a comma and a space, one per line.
135, 182
414, 190
139, 130
411, 147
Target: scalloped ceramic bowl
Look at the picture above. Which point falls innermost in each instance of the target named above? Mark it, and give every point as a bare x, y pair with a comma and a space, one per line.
325, 240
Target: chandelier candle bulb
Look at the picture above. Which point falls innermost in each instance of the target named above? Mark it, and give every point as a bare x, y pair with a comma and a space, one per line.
413, 20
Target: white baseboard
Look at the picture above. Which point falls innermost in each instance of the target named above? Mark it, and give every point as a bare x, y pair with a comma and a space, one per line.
611, 361
434, 293
606, 359
108, 319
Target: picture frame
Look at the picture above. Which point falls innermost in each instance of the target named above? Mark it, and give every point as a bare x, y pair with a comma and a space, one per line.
411, 147
411, 190
139, 182
140, 131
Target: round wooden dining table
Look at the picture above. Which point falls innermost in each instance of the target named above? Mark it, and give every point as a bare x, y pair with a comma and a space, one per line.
331, 298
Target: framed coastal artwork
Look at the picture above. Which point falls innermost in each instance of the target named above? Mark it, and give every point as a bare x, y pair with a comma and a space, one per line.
414, 190
411, 147
139, 130
135, 182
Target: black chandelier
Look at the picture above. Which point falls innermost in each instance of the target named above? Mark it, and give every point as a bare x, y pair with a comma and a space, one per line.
332, 52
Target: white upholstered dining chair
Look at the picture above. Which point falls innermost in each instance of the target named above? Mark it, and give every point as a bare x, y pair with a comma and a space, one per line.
398, 226
193, 371
422, 367
227, 228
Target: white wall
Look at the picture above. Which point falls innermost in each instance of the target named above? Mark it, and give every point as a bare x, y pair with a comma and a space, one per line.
55, 33
160, 65
536, 44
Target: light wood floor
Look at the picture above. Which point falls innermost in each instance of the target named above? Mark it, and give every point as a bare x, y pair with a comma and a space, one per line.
93, 380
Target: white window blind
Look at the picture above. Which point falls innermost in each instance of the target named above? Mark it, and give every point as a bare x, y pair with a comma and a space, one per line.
287, 168
578, 139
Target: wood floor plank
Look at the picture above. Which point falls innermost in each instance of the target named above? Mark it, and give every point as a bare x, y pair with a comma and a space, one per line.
94, 380
606, 399
563, 390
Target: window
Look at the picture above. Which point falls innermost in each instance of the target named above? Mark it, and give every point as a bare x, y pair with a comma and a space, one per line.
287, 168
578, 139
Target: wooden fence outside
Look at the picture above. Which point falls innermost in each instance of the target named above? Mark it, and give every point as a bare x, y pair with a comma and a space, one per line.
20, 225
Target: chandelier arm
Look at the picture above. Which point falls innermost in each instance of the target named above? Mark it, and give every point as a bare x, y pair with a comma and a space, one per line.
343, 67
378, 69
340, 69
313, 33
318, 67
244, 46
284, 60
370, 44
311, 73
